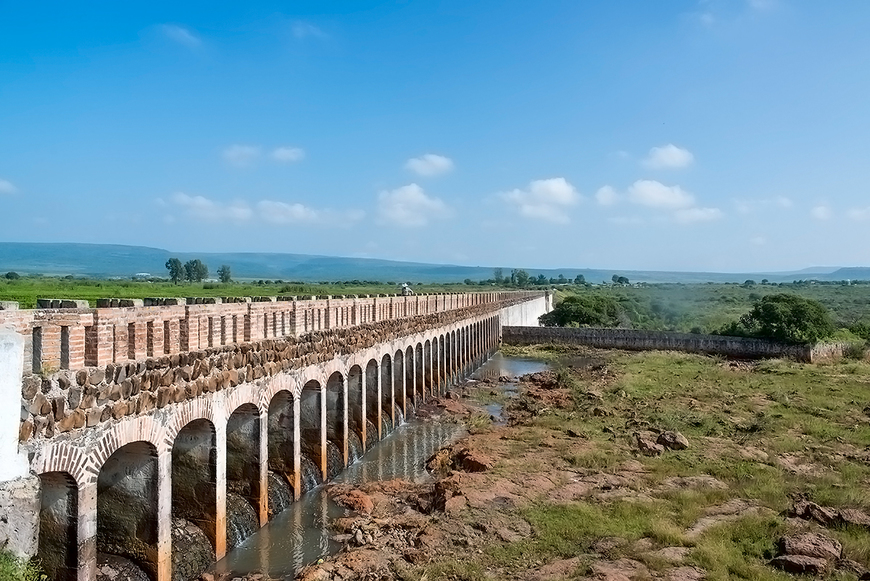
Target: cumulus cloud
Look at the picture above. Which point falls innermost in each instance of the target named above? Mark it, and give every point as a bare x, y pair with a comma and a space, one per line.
206, 209
692, 215
265, 211
606, 196
750, 206
858, 214
302, 30
668, 157
181, 35
657, 195
544, 200
429, 165
821, 212
409, 206
7, 187
288, 154
284, 213
241, 155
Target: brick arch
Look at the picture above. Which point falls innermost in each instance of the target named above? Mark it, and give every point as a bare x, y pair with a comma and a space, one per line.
66, 458
140, 429
189, 411
243, 394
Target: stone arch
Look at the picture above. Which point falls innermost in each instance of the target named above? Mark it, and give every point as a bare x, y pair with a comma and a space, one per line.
58, 526
373, 404
243, 459
312, 427
419, 375
356, 411
399, 386
194, 497
427, 368
127, 486
283, 480
336, 424
387, 400
410, 382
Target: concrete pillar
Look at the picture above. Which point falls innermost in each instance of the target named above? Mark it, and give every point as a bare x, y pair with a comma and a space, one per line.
363, 404
380, 401
87, 532
323, 469
220, 524
263, 504
164, 515
12, 463
344, 419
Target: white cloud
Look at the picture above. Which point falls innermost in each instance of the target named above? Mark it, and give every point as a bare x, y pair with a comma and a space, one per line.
762, 5
7, 187
860, 214
241, 155
657, 195
668, 157
409, 206
181, 35
302, 29
429, 165
822, 213
209, 210
284, 213
606, 196
692, 215
750, 206
544, 200
288, 154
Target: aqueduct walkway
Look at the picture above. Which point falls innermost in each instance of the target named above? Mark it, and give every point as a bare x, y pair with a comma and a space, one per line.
132, 416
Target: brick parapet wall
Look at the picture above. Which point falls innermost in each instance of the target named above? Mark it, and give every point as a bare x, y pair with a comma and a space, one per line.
62, 401
634, 340
74, 338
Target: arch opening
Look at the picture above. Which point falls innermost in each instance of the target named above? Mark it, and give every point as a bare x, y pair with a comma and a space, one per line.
387, 410
311, 429
127, 508
373, 405
410, 401
336, 430
355, 414
58, 526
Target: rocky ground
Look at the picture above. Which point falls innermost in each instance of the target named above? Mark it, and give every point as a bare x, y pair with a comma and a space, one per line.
631, 467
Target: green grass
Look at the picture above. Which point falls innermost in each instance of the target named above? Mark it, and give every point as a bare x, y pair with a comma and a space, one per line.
12, 569
27, 289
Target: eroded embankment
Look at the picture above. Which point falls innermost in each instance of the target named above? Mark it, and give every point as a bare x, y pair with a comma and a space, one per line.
631, 466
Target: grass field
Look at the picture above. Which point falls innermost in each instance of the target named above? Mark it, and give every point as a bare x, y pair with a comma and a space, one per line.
761, 435
27, 289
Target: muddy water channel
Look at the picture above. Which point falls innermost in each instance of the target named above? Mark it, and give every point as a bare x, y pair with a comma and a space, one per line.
300, 534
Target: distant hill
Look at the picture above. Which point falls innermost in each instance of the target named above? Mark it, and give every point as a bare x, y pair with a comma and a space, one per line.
108, 260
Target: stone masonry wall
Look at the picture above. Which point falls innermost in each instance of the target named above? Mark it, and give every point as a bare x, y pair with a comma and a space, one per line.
740, 347
65, 400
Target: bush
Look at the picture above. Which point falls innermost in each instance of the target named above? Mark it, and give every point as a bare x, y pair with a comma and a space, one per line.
784, 317
12, 275
12, 569
584, 311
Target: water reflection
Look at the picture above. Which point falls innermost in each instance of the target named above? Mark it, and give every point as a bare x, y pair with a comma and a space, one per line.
299, 535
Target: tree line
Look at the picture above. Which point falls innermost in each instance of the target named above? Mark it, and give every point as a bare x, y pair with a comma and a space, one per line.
194, 271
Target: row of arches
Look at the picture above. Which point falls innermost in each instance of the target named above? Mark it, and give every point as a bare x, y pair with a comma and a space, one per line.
196, 478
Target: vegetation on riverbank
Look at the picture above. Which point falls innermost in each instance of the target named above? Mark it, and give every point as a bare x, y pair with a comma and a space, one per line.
762, 438
12, 569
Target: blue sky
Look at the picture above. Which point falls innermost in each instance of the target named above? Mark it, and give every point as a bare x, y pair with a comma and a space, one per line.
723, 135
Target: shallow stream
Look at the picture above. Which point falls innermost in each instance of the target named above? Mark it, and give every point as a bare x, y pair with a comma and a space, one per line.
300, 535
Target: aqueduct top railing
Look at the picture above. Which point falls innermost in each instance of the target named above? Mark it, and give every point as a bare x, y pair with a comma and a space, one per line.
69, 335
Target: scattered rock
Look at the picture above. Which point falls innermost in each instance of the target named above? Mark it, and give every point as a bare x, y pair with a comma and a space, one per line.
800, 564
354, 499
685, 574
811, 545
646, 446
672, 440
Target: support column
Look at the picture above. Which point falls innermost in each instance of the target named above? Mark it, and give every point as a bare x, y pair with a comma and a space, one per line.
297, 448
220, 523
263, 504
87, 532
323, 470
164, 515
344, 419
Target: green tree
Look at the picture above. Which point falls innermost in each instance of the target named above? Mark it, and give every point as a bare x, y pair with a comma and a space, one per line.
195, 270
579, 279
224, 273
584, 311
176, 270
12, 275
522, 277
785, 317
498, 275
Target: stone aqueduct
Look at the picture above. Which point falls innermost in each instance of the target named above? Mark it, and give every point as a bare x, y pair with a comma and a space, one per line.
133, 415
